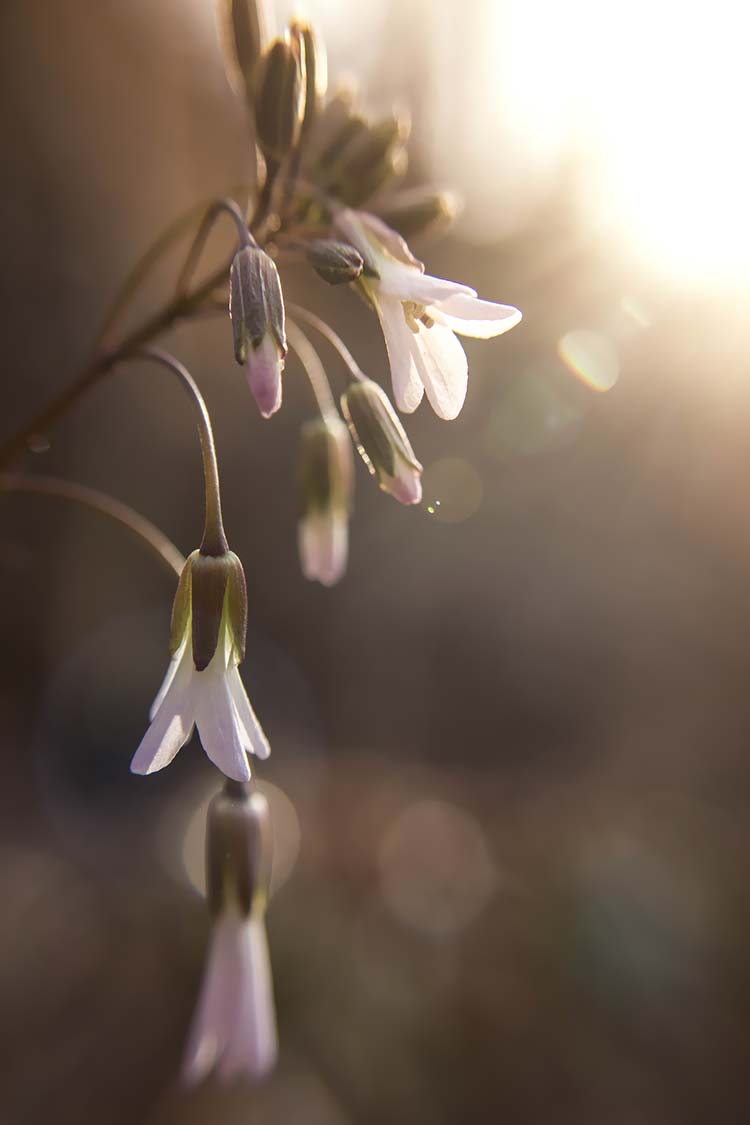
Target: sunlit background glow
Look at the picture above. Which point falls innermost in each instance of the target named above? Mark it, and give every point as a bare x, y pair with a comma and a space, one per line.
644, 105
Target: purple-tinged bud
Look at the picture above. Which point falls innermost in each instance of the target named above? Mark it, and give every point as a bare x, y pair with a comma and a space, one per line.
326, 478
382, 442
256, 306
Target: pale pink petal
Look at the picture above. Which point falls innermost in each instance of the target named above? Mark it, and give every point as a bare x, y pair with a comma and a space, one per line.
472, 317
408, 388
264, 366
216, 1010
406, 485
256, 741
252, 1046
444, 370
216, 719
323, 545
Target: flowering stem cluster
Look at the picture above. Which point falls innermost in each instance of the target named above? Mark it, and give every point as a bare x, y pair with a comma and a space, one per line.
324, 197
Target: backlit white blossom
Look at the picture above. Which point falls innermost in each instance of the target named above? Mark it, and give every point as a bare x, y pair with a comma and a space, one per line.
420, 316
212, 698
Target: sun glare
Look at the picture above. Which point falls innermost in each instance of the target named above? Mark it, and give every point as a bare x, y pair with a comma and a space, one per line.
650, 98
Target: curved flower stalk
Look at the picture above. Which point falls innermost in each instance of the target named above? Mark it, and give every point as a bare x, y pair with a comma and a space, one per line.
233, 1032
202, 687
420, 316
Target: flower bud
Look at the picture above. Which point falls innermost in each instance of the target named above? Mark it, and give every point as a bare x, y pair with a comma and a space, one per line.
336, 262
382, 441
415, 212
280, 102
316, 73
256, 306
243, 31
238, 850
326, 477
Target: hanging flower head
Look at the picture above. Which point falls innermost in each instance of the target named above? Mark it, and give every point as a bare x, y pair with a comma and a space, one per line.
256, 306
419, 316
202, 686
233, 1032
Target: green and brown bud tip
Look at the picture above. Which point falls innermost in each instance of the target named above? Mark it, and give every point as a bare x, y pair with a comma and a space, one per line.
211, 591
336, 262
239, 850
420, 211
382, 442
326, 466
280, 101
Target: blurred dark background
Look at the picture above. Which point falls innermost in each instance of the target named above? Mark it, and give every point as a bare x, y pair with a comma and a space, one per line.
509, 776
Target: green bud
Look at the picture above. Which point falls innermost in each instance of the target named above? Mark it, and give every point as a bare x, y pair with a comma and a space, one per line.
238, 850
326, 466
280, 101
382, 442
256, 303
211, 591
336, 262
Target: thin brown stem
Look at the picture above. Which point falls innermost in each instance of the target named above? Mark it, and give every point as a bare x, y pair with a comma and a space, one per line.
148, 532
314, 369
214, 540
332, 337
177, 309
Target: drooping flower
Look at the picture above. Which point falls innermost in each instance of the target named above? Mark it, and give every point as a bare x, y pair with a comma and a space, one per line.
256, 306
382, 441
326, 477
233, 1032
202, 687
420, 316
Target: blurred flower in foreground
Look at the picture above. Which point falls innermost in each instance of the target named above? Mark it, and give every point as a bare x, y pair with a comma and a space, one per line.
327, 470
202, 686
234, 1027
256, 306
419, 316
382, 441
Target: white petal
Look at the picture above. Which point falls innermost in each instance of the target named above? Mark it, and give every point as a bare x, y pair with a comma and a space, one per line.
257, 743
444, 370
408, 284
399, 342
173, 722
217, 722
168, 679
253, 1045
218, 1003
472, 317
